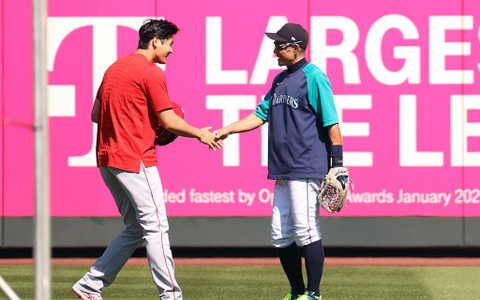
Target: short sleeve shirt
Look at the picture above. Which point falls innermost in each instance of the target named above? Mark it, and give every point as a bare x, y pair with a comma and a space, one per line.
297, 108
133, 90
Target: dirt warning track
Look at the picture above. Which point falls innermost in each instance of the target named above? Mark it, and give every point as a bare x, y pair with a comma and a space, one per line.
273, 261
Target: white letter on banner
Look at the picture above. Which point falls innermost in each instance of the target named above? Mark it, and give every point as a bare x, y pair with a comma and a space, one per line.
104, 54
266, 60
264, 130
231, 106
411, 55
409, 156
478, 65
61, 100
440, 49
343, 102
462, 130
213, 59
343, 51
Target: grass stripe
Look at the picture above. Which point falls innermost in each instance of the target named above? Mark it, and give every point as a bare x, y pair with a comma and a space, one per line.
266, 282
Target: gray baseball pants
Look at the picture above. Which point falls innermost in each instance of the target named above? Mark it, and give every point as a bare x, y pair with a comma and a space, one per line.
139, 198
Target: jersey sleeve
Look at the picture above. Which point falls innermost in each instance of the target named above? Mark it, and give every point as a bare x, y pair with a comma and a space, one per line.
263, 107
156, 89
321, 98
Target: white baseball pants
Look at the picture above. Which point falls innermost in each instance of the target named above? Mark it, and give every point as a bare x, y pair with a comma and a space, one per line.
295, 212
139, 198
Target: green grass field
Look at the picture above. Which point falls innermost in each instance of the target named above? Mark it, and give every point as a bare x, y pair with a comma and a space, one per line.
258, 282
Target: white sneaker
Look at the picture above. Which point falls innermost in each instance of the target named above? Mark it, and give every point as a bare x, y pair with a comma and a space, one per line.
86, 296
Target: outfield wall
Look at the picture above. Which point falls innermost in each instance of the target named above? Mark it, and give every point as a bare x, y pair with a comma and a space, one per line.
198, 232
405, 79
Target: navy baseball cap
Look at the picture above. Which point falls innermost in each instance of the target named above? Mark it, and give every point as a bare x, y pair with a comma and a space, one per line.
290, 32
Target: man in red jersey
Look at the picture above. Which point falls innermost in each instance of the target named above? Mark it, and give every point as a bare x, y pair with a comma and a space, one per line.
131, 101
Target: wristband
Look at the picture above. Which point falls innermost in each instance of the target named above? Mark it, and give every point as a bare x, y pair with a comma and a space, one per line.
336, 152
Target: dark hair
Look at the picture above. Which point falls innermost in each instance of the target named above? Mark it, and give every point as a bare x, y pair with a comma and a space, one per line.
151, 28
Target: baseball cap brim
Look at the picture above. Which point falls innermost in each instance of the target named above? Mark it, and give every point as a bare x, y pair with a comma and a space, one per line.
275, 36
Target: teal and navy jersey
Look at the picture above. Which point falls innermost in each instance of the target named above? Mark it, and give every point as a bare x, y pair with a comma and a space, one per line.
297, 108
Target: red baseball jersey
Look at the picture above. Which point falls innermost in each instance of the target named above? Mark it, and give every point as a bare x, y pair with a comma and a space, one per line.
132, 91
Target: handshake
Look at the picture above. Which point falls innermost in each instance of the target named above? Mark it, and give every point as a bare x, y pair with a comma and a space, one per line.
172, 124
212, 139
165, 137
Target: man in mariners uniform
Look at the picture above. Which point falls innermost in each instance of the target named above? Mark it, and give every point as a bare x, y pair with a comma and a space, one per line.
304, 141
131, 101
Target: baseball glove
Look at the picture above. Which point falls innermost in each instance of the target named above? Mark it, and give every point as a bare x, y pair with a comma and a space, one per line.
164, 137
334, 189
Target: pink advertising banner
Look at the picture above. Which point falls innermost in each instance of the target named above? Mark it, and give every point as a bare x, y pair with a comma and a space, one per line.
404, 75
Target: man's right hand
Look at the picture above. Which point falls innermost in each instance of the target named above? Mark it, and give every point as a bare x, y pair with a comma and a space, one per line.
208, 138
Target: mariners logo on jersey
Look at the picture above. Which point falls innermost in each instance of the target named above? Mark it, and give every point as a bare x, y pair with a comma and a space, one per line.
284, 99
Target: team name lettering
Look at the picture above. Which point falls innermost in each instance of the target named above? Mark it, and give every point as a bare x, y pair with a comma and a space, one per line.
284, 99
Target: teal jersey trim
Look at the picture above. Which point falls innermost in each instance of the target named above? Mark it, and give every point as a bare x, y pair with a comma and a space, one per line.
263, 108
320, 95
